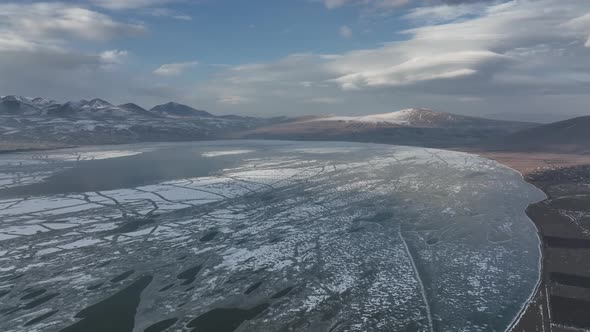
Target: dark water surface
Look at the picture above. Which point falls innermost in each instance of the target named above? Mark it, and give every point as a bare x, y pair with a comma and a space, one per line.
114, 314
124, 172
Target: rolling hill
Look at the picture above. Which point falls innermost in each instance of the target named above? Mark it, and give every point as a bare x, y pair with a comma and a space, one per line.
418, 127
572, 135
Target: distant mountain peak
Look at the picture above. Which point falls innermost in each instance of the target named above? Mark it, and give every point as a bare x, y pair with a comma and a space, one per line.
19, 105
418, 110
134, 108
132, 105
422, 112
405, 117
27, 100
176, 109
425, 116
97, 102
173, 104
95, 108
415, 117
43, 102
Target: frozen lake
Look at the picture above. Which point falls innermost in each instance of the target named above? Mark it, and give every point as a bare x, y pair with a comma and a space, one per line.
263, 236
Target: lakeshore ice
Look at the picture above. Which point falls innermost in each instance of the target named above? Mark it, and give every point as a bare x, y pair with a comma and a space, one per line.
314, 236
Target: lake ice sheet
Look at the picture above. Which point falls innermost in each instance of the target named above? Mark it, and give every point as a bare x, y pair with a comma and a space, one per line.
263, 236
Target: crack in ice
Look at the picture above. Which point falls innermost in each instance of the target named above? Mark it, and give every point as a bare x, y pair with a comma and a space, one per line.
419, 280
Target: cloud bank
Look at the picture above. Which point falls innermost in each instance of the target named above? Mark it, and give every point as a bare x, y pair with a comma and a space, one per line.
457, 57
175, 69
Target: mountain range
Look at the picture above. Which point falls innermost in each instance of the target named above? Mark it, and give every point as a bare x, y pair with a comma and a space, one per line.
96, 121
36, 121
95, 108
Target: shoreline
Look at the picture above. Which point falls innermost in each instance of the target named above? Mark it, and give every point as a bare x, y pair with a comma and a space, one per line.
536, 295
520, 322
537, 305
561, 177
523, 322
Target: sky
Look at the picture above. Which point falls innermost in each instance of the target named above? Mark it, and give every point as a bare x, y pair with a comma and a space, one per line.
521, 59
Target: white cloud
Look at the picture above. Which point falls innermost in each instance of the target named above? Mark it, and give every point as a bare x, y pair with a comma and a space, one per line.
155, 8
166, 12
39, 52
413, 70
345, 31
129, 4
10, 40
42, 34
377, 4
48, 22
232, 100
175, 69
113, 57
445, 13
391, 4
506, 52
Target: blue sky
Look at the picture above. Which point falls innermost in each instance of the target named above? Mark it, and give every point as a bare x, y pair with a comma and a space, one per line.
521, 59
236, 32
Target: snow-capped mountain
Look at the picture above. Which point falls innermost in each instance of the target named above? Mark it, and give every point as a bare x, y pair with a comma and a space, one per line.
98, 121
421, 127
27, 106
95, 108
416, 117
18, 105
407, 117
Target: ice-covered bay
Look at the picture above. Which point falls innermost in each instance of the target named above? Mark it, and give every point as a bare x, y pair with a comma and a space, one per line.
267, 235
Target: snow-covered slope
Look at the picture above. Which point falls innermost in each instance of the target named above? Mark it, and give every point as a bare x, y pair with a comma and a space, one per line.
403, 117
417, 127
414, 117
